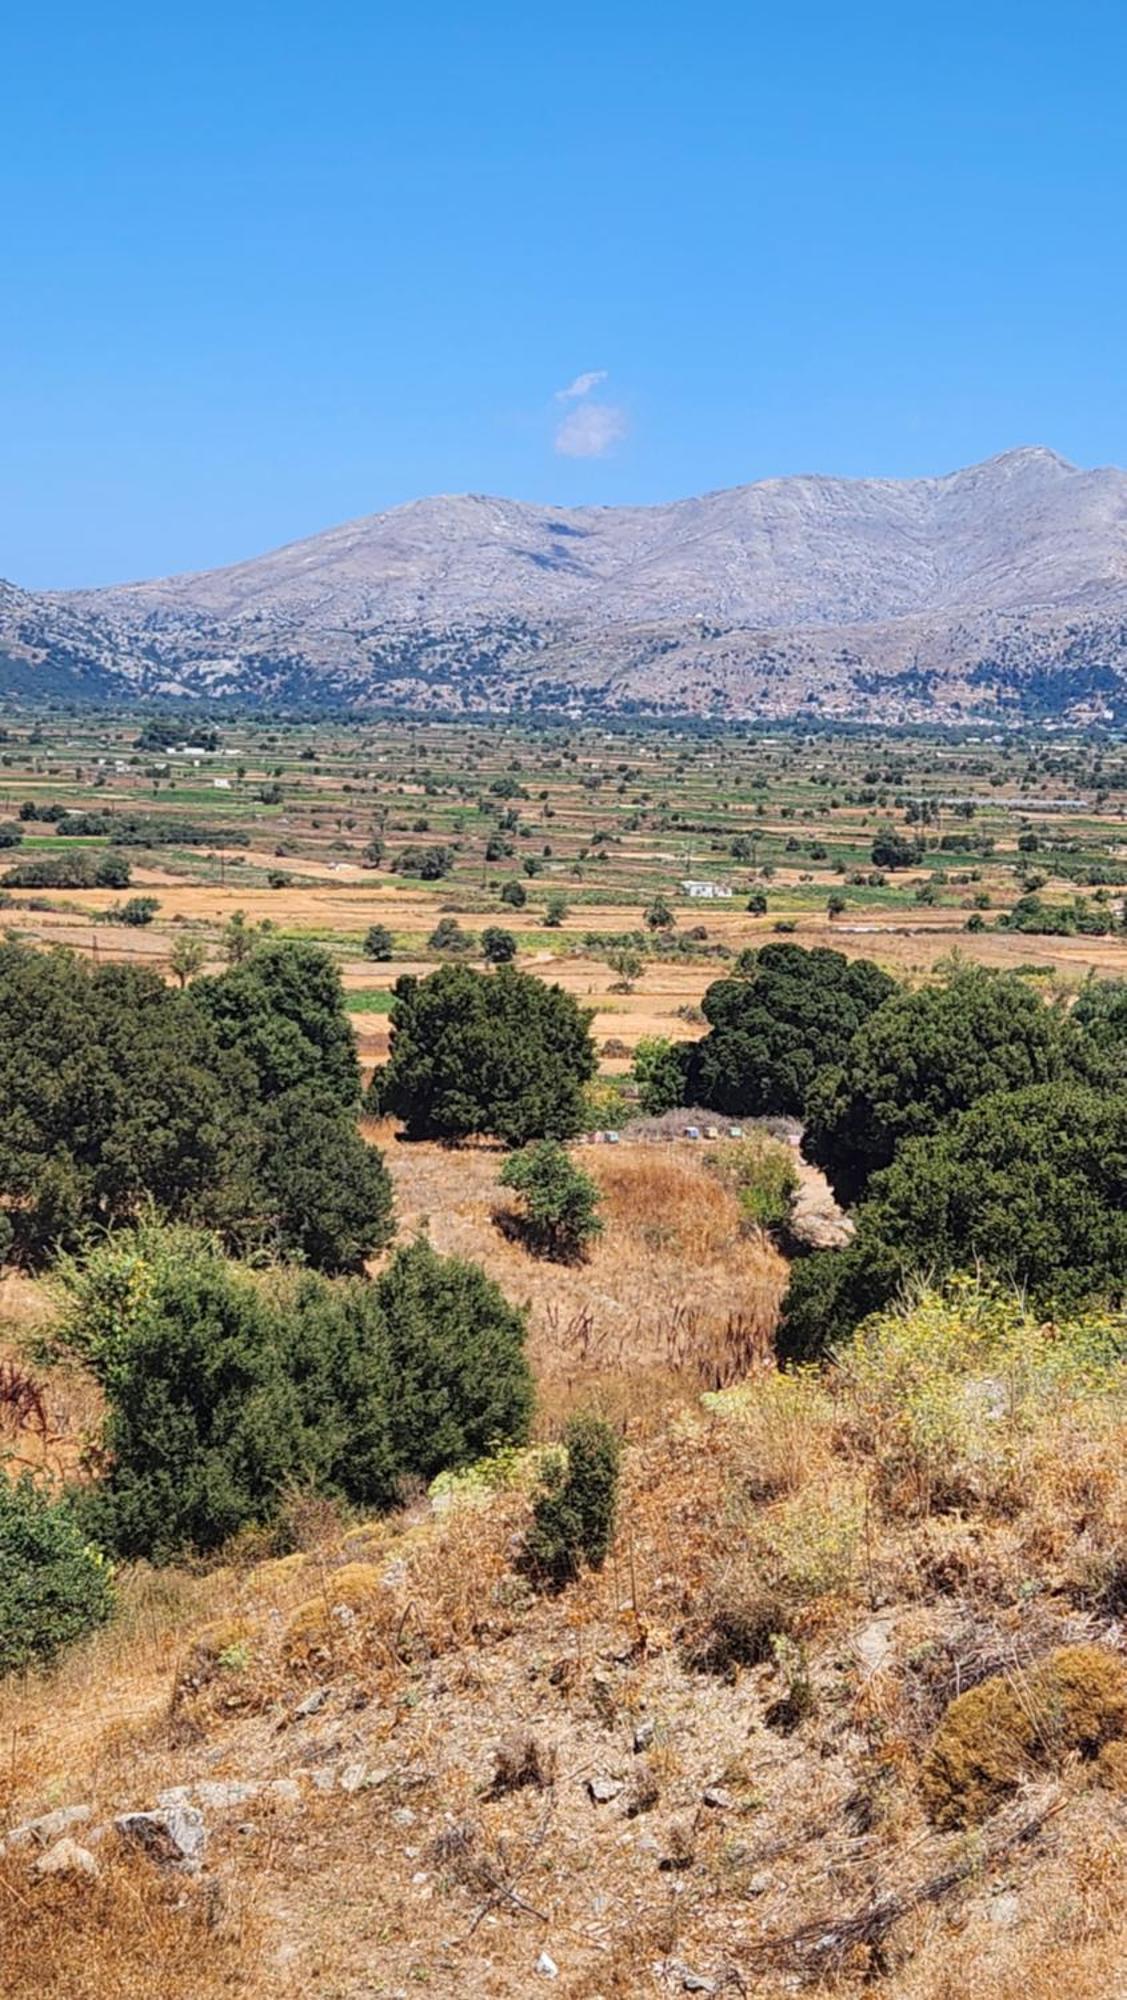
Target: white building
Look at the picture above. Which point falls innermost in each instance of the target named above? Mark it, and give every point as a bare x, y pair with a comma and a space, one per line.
707, 892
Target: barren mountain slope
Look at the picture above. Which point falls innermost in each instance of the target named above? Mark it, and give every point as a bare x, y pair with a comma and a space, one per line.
955, 595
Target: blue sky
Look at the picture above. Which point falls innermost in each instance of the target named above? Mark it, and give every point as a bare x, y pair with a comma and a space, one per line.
267, 268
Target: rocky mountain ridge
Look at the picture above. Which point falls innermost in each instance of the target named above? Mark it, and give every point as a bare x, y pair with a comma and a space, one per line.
997, 590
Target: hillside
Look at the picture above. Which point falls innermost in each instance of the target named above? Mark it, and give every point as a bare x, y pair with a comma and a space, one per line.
1000, 589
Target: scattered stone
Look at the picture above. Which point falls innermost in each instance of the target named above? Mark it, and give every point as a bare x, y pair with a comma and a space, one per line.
287, 1791
758, 1884
173, 1835
1004, 1909
49, 1827
324, 1779
675, 1972
403, 1816
602, 1790
66, 1857
311, 1704
353, 1777
175, 1795
643, 1735
547, 1966
718, 1798
222, 1793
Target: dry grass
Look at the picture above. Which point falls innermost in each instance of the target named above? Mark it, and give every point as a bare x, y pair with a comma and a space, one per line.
762, 1666
675, 1295
131, 1933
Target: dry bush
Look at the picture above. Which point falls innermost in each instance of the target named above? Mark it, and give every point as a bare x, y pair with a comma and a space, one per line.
519, 1761
1072, 1701
133, 1932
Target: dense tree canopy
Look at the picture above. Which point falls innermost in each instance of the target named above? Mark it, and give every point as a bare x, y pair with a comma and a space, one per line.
924, 1055
772, 1031
110, 1095
281, 1012
231, 1104
1028, 1185
500, 1053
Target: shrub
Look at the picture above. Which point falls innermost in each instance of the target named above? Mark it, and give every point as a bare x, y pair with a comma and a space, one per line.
573, 1515
460, 1384
321, 1193
659, 1072
226, 1392
1072, 1701
138, 911
53, 1585
955, 1394
1028, 1185
561, 1202
203, 1431
514, 894
763, 1177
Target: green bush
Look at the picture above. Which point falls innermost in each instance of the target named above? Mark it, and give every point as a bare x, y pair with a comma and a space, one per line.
763, 1177
923, 1056
561, 1202
460, 1384
497, 945
226, 1391
1029, 1186
573, 1515
53, 1585
659, 1073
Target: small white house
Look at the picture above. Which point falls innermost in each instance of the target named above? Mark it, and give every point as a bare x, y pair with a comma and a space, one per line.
707, 892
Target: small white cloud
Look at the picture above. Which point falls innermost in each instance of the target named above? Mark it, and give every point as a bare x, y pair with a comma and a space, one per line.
582, 385
590, 430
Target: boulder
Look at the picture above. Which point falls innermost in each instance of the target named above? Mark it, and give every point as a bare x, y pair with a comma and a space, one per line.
174, 1836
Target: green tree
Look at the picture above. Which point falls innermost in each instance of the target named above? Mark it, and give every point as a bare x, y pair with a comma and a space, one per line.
378, 942
772, 1030
626, 964
320, 1192
892, 849
280, 1013
448, 935
460, 1383
112, 1094
561, 1202
1028, 1186
54, 1586
555, 910
514, 894
498, 946
139, 910
500, 1053
923, 1056
659, 1073
573, 1515
657, 915
187, 957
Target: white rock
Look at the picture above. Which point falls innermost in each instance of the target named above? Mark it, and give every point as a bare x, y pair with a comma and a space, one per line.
66, 1857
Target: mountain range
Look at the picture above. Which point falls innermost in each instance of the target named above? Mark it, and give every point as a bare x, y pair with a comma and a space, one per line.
996, 592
